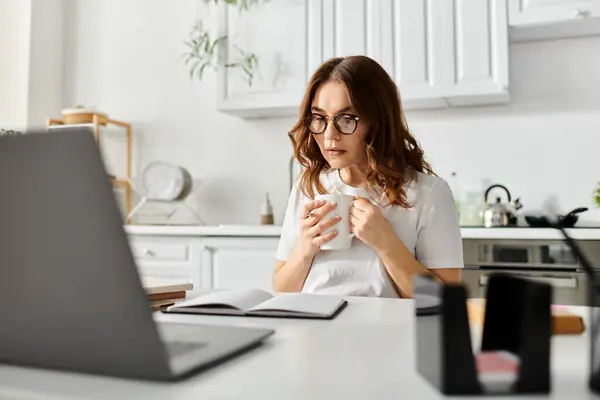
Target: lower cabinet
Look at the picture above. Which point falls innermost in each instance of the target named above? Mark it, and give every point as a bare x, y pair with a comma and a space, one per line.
169, 257
207, 262
238, 263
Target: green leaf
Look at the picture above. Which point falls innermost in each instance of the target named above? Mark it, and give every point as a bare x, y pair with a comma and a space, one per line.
201, 71
196, 64
203, 67
216, 42
203, 49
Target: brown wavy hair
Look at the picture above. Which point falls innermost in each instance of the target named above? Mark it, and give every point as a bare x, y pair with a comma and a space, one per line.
393, 153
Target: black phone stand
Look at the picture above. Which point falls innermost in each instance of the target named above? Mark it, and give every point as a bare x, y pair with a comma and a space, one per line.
594, 302
594, 307
517, 319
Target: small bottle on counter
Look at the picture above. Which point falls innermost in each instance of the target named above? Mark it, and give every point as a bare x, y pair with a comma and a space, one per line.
266, 216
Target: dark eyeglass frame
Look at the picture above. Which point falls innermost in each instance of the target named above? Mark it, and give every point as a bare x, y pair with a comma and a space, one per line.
327, 120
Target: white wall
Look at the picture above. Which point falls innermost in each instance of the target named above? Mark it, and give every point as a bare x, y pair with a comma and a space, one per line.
14, 61
544, 146
123, 57
31, 63
45, 61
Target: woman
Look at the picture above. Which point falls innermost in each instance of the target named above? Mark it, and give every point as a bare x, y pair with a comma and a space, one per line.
352, 138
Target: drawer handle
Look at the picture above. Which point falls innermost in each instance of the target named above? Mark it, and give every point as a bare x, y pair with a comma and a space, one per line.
579, 13
148, 252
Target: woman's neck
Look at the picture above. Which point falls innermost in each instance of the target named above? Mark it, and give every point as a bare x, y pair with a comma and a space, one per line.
353, 176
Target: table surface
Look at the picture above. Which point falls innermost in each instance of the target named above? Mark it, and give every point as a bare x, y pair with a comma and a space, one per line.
366, 352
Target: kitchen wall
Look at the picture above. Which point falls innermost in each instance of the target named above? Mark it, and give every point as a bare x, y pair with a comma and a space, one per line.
31, 45
14, 38
124, 57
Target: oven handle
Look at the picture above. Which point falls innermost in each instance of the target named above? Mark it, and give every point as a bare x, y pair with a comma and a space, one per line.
556, 282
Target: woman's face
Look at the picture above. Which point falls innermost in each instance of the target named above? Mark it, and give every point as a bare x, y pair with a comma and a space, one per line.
339, 149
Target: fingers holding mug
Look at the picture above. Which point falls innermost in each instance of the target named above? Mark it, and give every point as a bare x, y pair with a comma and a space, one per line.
322, 239
323, 225
315, 211
308, 218
310, 206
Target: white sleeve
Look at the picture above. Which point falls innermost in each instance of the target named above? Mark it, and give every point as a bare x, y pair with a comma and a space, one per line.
289, 230
439, 241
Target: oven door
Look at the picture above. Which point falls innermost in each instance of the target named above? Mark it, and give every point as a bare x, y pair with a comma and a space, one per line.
569, 287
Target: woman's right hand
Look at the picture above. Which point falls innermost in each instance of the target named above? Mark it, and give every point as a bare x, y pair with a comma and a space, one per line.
312, 224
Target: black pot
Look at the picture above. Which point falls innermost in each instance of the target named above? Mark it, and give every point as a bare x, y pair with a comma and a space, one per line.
567, 221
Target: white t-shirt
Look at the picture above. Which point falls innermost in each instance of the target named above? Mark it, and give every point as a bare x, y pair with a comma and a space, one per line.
430, 230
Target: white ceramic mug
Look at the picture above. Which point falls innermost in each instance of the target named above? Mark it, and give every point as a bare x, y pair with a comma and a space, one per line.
344, 202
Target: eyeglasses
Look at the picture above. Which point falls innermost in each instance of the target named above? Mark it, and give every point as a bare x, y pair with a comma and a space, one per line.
345, 123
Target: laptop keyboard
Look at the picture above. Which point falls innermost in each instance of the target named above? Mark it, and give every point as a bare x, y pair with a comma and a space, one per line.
176, 348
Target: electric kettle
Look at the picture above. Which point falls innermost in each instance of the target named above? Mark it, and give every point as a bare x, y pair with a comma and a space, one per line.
500, 213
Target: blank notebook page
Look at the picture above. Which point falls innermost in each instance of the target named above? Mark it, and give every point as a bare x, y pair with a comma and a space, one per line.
303, 303
241, 299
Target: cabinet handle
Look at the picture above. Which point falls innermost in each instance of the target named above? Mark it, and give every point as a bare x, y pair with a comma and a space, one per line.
580, 13
148, 252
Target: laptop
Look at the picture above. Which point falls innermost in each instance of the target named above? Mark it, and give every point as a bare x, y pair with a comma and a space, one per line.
70, 291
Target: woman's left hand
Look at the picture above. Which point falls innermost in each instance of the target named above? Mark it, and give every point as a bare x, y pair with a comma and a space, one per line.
369, 225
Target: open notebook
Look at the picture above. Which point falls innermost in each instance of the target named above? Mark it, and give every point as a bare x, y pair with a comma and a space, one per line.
255, 302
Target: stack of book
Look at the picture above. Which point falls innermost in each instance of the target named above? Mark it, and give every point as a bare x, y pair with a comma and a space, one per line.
165, 292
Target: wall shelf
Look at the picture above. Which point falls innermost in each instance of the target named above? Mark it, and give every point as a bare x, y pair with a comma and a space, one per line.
119, 182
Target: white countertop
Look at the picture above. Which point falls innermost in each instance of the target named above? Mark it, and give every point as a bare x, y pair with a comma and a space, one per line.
367, 352
529, 233
208, 230
275, 231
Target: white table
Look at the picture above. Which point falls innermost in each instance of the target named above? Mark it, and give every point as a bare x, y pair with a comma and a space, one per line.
367, 352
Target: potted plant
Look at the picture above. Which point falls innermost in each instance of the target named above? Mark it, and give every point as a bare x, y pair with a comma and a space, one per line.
596, 195
202, 48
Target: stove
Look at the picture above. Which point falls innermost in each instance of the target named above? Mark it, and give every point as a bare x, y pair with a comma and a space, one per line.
550, 261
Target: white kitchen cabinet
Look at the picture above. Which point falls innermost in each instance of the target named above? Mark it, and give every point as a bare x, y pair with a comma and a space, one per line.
535, 12
279, 33
475, 47
439, 52
442, 52
166, 256
532, 20
238, 263
354, 27
404, 36
417, 52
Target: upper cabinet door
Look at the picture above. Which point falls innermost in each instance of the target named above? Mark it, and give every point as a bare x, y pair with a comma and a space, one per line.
475, 51
278, 32
532, 12
415, 29
402, 35
353, 27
